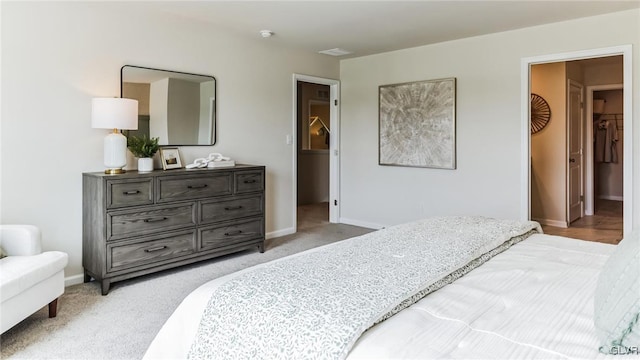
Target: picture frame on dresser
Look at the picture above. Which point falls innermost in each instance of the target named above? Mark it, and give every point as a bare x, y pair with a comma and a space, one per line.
170, 158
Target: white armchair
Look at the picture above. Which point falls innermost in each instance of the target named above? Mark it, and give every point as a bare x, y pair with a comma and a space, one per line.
29, 278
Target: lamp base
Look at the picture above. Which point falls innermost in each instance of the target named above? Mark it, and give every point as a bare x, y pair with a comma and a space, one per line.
115, 153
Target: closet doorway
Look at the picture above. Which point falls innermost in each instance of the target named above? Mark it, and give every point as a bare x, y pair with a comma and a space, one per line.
316, 160
581, 194
604, 179
604, 185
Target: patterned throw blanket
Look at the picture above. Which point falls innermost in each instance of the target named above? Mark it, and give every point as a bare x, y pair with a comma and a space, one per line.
315, 305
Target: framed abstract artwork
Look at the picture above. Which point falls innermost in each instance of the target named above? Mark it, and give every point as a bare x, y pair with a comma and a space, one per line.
417, 124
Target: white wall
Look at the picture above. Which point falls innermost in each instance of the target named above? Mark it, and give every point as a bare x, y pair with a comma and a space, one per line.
183, 111
487, 180
159, 110
603, 73
549, 147
57, 56
313, 177
207, 111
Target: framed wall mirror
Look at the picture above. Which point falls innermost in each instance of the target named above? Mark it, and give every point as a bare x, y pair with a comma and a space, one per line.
176, 107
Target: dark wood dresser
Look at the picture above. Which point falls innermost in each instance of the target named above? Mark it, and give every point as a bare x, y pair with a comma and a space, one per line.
140, 223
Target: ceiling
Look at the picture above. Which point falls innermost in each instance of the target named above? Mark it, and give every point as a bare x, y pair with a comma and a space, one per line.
370, 27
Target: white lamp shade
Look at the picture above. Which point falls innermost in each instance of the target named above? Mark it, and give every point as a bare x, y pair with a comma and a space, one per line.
114, 113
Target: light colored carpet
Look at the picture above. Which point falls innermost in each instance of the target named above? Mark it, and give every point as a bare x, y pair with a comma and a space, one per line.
122, 324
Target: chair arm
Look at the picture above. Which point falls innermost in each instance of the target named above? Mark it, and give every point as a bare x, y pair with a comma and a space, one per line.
20, 240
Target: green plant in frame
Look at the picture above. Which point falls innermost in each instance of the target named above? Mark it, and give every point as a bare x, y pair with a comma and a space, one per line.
143, 147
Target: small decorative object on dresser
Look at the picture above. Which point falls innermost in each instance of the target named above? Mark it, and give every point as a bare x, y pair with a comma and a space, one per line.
143, 148
214, 160
140, 223
170, 158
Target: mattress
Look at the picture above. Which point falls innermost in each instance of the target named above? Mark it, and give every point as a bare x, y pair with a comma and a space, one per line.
534, 301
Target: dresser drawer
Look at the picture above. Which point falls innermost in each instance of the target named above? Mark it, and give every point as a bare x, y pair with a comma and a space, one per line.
145, 252
249, 181
218, 236
231, 208
172, 188
121, 193
142, 221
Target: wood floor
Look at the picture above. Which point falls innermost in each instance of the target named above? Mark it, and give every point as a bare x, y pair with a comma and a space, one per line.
605, 226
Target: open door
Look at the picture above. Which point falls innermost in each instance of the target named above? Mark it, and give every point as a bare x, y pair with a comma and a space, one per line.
575, 144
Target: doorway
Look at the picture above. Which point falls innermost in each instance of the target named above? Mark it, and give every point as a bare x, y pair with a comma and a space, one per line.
559, 190
316, 156
604, 174
578, 219
604, 191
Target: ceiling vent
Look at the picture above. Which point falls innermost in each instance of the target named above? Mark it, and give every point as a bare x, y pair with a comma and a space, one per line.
336, 52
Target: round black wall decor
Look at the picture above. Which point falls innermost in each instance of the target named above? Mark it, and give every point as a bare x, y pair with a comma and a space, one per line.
540, 113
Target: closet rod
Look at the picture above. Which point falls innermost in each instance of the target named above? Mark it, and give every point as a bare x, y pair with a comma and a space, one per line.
618, 117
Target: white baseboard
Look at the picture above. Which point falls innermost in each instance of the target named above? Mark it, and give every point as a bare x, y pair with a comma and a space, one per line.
278, 233
364, 224
73, 280
611, 197
556, 223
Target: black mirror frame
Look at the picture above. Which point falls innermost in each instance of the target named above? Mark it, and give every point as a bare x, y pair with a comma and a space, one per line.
214, 137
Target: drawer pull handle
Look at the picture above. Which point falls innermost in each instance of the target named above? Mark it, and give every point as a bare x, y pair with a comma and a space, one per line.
131, 192
197, 186
231, 233
155, 220
155, 249
252, 181
228, 208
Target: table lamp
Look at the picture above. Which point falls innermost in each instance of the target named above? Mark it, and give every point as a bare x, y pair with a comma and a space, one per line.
114, 113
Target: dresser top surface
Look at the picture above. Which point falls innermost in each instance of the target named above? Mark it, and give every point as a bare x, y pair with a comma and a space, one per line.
158, 172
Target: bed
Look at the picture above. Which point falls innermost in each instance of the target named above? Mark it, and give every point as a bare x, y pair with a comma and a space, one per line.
531, 299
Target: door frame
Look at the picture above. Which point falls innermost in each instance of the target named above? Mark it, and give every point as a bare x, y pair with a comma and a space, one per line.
525, 105
334, 145
589, 185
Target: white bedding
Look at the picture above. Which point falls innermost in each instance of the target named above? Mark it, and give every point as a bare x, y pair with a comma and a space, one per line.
533, 301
